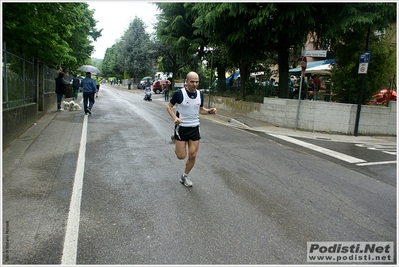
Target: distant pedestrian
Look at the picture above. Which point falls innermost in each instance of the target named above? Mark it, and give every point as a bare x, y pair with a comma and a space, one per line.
165, 90
311, 89
189, 104
60, 89
317, 82
291, 85
98, 82
129, 84
231, 83
75, 85
273, 82
89, 90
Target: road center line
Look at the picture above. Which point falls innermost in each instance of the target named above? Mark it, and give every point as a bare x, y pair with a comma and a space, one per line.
319, 149
72, 230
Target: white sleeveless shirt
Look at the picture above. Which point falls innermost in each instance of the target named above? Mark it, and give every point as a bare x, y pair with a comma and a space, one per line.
189, 109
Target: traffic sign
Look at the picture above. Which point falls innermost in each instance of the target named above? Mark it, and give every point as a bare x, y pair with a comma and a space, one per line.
315, 53
304, 63
363, 68
364, 57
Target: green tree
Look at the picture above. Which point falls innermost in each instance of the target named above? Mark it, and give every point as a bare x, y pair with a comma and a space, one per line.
175, 30
137, 50
250, 31
220, 61
133, 55
226, 24
344, 34
59, 34
247, 30
110, 66
285, 27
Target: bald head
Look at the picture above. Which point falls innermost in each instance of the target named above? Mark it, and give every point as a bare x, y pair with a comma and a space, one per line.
192, 80
191, 75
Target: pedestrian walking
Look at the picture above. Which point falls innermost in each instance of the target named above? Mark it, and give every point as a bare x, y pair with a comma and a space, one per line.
89, 90
189, 104
75, 85
98, 82
60, 89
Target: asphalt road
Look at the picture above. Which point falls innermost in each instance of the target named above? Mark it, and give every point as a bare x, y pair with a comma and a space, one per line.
256, 199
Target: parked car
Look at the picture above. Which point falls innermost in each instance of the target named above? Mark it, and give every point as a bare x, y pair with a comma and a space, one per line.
141, 85
157, 87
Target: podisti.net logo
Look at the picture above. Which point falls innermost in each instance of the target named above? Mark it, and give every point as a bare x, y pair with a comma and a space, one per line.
345, 252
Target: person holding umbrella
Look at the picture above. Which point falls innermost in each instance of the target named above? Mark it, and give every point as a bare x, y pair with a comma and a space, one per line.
89, 90
89, 68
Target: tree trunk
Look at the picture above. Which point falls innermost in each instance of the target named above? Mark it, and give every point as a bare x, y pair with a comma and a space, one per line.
245, 68
283, 71
174, 71
221, 85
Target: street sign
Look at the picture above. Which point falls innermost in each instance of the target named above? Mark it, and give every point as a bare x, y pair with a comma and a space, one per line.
315, 53
364, 60
364, 57
363, 68
304, 63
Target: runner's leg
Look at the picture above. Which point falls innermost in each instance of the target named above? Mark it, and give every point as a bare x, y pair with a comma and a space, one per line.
192, 155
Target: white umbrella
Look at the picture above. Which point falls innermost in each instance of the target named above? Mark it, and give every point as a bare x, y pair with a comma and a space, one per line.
89, 68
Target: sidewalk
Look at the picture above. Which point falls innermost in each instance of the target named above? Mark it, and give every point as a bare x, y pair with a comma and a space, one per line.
245, 122
16, 149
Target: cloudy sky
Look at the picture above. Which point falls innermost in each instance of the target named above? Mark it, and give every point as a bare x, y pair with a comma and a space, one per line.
114, 18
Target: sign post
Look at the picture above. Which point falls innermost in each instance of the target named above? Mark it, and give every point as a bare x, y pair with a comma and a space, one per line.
304, 63
364, 58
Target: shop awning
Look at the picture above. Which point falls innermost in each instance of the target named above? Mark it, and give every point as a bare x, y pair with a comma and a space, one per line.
320, 66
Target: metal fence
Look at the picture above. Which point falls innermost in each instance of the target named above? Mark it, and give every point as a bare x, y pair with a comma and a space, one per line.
18, 81
20, 87
49, 80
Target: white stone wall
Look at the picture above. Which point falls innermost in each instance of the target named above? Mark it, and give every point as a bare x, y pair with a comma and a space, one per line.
316, 115
330, 117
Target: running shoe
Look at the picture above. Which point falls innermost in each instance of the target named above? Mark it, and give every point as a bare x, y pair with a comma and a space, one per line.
184, 179
89, 111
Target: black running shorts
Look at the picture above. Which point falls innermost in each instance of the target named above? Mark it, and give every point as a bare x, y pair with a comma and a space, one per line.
187, 133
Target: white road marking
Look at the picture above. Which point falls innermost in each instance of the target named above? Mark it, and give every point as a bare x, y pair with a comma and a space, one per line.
338, 155
376, 163
72, 230
388, 149
319, 149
